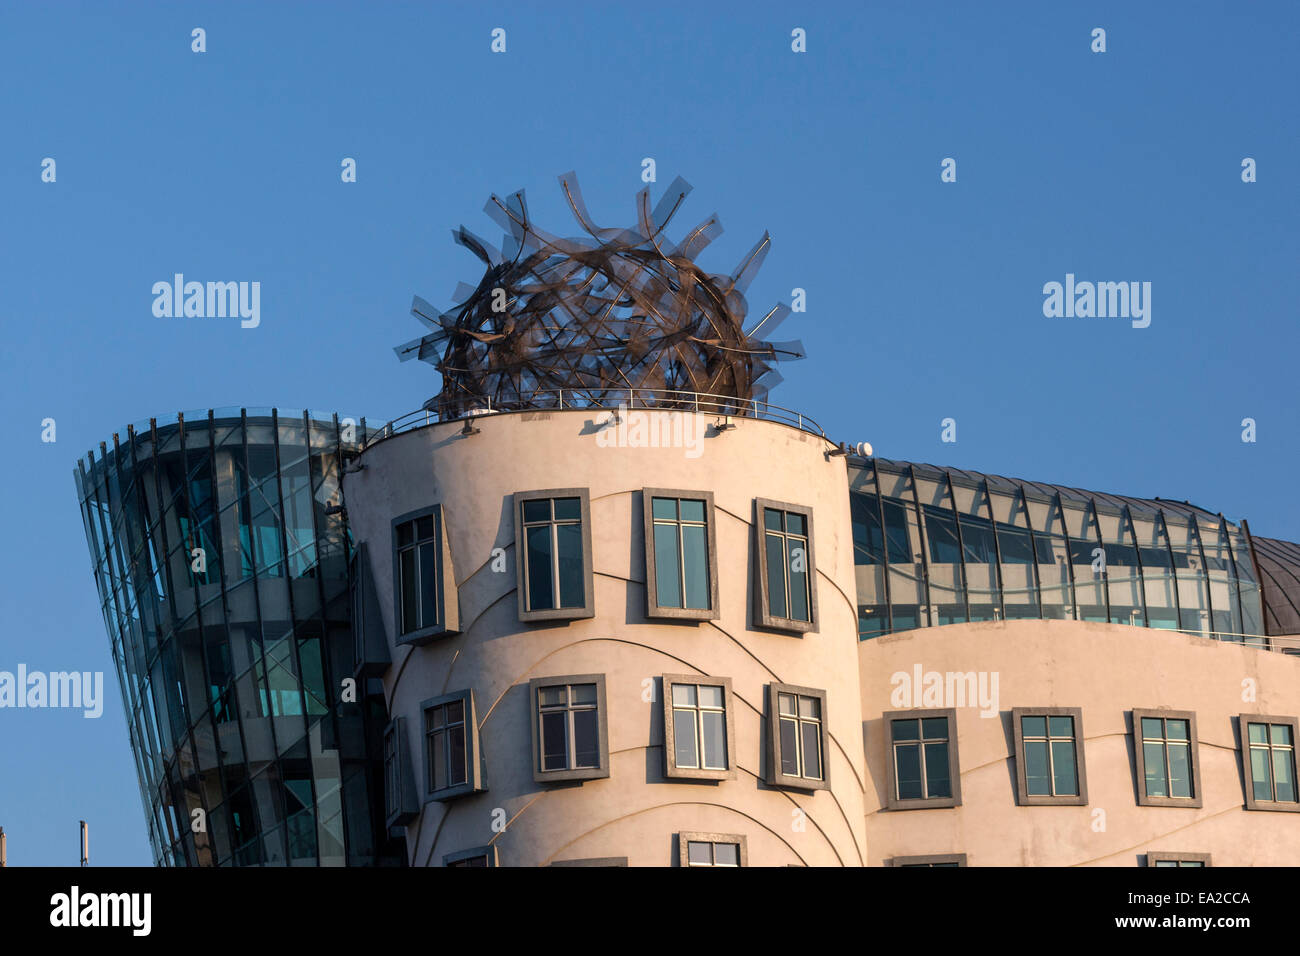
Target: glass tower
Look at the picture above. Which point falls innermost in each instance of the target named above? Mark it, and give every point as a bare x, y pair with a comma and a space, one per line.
222, 562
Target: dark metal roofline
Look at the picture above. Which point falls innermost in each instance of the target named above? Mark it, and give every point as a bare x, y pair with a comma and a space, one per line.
1047, 491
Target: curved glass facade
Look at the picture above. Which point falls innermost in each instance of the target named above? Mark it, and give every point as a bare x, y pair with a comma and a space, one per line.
223, 579
937, 546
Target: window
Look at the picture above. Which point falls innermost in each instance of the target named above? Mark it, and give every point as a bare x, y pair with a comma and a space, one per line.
603, 861
400, 806
423, 583
1268, 758
1166, 858
1049, 756
451, 758
570, 736
1169, 772
796, 731
921, 761
785, 596
681, 568
553, 554
698, 734
479, 856
933, 859
712, 849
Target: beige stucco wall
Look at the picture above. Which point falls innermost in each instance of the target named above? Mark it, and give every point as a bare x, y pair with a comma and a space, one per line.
1106, 670
635, 812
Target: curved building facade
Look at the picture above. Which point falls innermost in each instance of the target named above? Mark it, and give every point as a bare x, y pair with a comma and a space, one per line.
223, 575
698, 634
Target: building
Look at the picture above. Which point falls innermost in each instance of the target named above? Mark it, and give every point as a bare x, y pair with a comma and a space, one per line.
677, 629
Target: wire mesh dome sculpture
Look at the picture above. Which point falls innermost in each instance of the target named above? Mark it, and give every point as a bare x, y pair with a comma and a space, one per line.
584, 321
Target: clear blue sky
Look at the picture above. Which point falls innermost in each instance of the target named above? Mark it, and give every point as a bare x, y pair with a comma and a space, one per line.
924, 298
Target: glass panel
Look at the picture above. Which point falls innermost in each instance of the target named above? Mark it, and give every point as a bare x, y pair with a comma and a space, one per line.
1151, 727
438, 760
1176, 729
1037, 782
584, 693
572, 587
1033, 726
1063, 769
1258, 733
405, 533
789, 747
728, 854
1281, 735
1261, 781
586, 742
538, 555
1153, 760
552, 695
692, 509
1062, 726
796, 524
554, 741
699, 854
1180, 770
907, 759
785, 704
799, 580
663, 508
906, 729
568, 509
937, 778
812, 758
810, 707
684, 695
775, 576
934, 728
668, 586
696, 549
771, 519
714, 731
429, 584
1284, 775
538, 509
410, 592
685, 753
424, 527
711, 696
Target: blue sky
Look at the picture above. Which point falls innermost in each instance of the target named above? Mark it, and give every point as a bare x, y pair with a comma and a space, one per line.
924, 298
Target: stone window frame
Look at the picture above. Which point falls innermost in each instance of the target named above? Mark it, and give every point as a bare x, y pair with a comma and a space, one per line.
687, 837
763, 618
928, 859
588, 608
1176, 857
448, 596
671, 771
1023, 797
892, 800
489, 852
602, 729
775, 778
1196, 801
1244, 760
474, 782
653, 608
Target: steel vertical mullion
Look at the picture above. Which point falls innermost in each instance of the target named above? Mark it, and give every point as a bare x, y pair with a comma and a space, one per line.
1195, 525
1173, 568
1226, 537
921, 536
1033, 551
1137, 554
1105, 571
961, 541
1069, 556
884, 548
997, 550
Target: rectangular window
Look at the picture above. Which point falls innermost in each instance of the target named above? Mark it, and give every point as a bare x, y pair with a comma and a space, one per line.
1049, 756
681, 569
922, 767
553, 545
712, 849
426, 593
1269, 764
400, 806
1167, 764
786, 597
698, 736
478, 856
797, 737
1166, 858
451, 746
570, 737
934, 859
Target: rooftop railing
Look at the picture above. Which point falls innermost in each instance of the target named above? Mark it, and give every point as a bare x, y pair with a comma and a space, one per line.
648, 399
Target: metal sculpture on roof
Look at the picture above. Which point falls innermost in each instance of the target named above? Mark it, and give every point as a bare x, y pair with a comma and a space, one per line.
589, 318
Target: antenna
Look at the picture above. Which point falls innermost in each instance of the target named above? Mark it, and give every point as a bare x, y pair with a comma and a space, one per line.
85, 844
